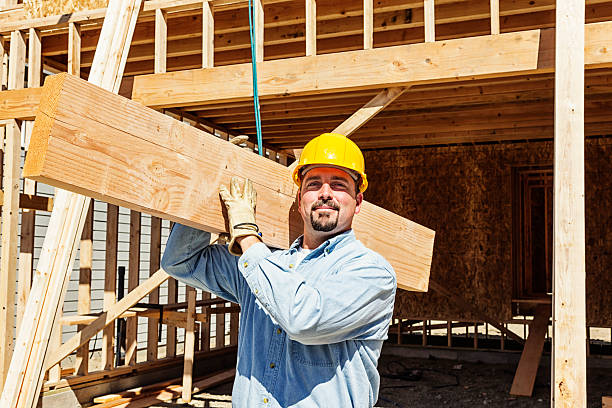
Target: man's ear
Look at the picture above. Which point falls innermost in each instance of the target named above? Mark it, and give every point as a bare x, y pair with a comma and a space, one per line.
359, 200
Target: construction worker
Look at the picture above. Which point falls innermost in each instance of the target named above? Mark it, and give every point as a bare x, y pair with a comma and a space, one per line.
313, 317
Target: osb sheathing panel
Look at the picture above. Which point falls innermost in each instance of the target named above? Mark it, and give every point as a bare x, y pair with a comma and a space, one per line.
464, 194
44, 8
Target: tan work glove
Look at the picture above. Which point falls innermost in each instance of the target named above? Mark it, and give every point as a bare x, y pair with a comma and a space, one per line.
240, 211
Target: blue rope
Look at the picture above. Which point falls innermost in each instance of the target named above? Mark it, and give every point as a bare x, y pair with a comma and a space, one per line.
255, 91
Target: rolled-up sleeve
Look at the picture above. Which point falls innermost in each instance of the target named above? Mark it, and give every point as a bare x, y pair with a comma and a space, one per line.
356, 303
191, 259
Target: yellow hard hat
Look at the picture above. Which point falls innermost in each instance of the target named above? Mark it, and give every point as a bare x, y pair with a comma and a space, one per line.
332, 149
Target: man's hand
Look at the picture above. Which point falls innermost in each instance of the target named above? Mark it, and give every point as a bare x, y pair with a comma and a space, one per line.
241, 213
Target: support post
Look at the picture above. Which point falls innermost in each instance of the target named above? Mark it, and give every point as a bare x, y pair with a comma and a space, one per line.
154, 261
10, 210
569, 277
258, 23
81, 365
430, 21
133, 282
189, 345
110, 283
161, 40
368, 24
494, 17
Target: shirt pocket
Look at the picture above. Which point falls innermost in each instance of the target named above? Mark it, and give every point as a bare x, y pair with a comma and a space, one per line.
325, 355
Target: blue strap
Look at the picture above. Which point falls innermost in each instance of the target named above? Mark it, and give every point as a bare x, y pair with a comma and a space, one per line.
255, 91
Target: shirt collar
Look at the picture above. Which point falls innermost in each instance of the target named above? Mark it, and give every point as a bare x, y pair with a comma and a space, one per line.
331, 244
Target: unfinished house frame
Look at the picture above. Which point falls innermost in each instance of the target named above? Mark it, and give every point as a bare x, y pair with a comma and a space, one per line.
486, 121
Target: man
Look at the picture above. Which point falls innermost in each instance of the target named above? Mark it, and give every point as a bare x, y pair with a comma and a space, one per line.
313, 317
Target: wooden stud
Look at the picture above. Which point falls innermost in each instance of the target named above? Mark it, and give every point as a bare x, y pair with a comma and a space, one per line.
430, 21
311, 27
258, 23
494, 17
368, 24
154, 260
475, 335
189, 345
107, 317
606, 402
449, 333
133, 281
171, 329
234, 322
424, 334
208, 35
28, 216
81, 364
161, 41
110, 283
220, 329
569, 305
74, 49
205, 328
26, 370
10, 210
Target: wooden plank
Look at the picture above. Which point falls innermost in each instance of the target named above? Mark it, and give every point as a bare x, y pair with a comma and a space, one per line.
105, 318
311, 27
154, 261
152, 143
516, 53
208, 35
133, 281
430, 21
205, 328
74, 49
219, 327
110, 283
494, 17
606, 402
161, 40
569, 270
525, 375
234, 323
171, 329
81, 364
10, 210
65, 225
368, 24
189, 345
178, 319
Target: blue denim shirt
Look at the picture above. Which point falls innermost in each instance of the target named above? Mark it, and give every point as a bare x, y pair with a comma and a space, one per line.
310, 333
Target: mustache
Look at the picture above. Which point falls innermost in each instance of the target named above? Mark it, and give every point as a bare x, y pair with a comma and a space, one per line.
328, 203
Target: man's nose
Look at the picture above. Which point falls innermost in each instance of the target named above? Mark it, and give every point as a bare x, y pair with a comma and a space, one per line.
325, 191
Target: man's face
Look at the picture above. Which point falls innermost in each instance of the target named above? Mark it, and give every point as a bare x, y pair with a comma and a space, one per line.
328, 201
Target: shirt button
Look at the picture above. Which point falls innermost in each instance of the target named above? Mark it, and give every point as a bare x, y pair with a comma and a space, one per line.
278, 331
291, 265
265, 400
256, 291
246, 264
272, 365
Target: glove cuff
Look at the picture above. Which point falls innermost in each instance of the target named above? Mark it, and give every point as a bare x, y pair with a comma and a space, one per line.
240, 230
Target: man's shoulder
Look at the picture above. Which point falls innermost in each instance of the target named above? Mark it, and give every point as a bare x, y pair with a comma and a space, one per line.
357, 253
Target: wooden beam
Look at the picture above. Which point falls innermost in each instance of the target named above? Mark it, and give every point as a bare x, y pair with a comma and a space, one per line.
208, 35
606, 402
494, 17
162, 149
107, 317
517, 53
311, 27
10, 210
189, 351
110, 283
161, 41
569, 274
430, 21
368, 24
525, 375
20, 103
65, 225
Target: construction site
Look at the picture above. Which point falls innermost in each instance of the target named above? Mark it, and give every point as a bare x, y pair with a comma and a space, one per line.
486, 129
